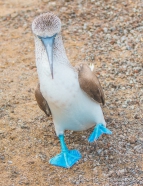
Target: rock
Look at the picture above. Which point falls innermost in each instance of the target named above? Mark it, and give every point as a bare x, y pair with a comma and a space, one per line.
123, 38
124, 106
105, 30
2, 157
9, 162
132, 139
45, 1
137, 116
25, 127
121, 172
13, 15
1, 132
52, 4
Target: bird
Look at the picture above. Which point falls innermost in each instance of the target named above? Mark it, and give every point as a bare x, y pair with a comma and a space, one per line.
71, 94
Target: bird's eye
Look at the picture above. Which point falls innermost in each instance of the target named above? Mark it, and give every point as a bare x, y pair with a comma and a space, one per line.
39, 37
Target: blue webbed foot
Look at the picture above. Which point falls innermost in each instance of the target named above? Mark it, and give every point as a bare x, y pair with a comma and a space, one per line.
98, 131
66, 158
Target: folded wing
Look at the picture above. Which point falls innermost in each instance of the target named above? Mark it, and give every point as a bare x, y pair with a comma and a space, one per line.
42, 103
89, 83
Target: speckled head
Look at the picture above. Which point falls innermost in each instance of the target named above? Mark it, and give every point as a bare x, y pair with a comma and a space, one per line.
46, 25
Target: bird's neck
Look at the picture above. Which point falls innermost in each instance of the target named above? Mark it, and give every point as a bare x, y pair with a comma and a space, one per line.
59, 53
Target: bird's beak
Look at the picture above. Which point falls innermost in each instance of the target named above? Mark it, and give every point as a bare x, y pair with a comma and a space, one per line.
48, 43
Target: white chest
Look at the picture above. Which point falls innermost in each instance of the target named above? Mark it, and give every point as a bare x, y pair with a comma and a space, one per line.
61, 90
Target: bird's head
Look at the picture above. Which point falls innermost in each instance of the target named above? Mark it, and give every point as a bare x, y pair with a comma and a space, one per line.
46, 27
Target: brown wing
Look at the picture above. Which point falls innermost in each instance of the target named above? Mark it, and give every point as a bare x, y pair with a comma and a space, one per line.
42, 103
90, 83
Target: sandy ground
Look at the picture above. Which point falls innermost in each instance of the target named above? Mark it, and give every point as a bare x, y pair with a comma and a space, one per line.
108, 33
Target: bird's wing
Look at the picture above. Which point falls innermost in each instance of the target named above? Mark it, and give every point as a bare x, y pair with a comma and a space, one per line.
89, 83
42, 103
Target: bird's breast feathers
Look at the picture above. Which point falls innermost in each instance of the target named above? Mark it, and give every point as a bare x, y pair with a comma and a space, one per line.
62, 89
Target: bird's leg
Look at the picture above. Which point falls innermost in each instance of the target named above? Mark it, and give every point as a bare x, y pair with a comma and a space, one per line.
63, 144
66, 158
97, 132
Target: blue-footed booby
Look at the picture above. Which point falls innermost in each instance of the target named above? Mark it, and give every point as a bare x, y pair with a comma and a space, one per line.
72, 95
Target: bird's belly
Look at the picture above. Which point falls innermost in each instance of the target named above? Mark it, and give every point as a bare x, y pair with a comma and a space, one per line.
79, 123
81, 115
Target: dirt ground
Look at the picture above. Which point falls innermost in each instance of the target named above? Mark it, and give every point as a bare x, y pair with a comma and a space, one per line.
108, 33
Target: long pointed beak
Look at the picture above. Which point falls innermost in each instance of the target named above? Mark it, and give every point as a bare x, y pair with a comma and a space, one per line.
48, 43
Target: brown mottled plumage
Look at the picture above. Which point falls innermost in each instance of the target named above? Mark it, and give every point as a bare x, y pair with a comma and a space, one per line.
88, 81
42, 103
